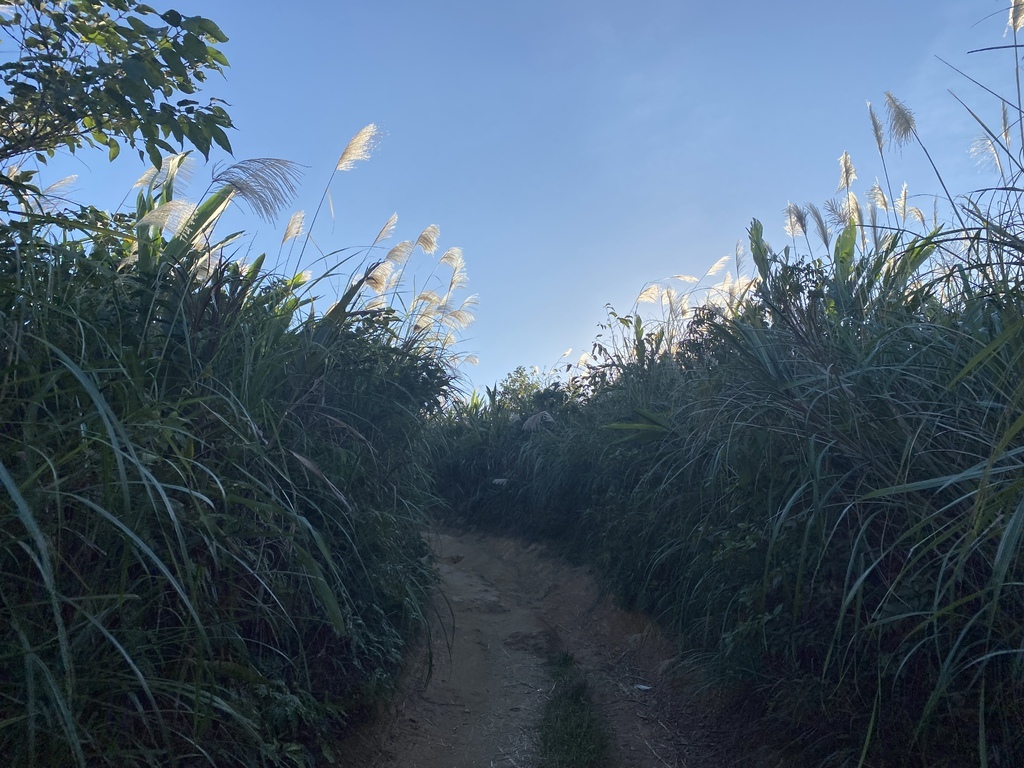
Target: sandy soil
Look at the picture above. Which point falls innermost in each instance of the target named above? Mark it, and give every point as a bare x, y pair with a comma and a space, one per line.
475, 692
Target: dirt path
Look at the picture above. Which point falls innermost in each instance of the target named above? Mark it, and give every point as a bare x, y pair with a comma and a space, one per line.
507, 607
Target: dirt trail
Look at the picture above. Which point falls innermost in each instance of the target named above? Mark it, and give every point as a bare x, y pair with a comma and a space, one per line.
507, 607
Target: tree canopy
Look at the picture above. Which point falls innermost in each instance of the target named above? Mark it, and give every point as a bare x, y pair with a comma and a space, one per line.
83, 72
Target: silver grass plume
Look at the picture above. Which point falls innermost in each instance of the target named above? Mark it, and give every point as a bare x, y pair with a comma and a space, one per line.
685, 278
902, 127
267, 184
853, 210
1007, 134
428, 238
1016, 15
446, 340
470, 302
901, 202
873, 226
394, 281
453, 258
461, 318
379, 276
986, 152
295, 227
428, 298
171, 216
876, 127
821, 228
847, 173
857, 216
796, 220
58, 187
358, 148
838, 213
538, 420
674, 305
400, 253
650, 294
878, 198
726, 294
459, 280
719, 265
387, 230
181, 166
887, 240
906, 211
47, 201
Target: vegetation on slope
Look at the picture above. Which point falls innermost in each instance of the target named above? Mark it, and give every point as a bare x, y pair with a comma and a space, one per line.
212, 495
815, 475
209, 529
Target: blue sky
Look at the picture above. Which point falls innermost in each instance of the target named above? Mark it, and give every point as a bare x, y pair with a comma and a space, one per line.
577, 150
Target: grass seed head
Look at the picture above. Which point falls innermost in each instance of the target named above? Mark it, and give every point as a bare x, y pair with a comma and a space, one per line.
902, 127
358, 148
428, 238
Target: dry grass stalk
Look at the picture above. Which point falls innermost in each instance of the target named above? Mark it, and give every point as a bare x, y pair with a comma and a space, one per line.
387, 230
650, 294
169, 217
428, 238
847, 173
358, 148
1016, 15
796, 220
901, 120
400, 253
295, 226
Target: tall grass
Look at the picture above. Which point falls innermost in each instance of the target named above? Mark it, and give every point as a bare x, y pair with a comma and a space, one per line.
209, 529
815, 476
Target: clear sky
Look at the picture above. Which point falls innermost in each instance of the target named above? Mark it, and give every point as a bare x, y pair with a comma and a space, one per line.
578, 149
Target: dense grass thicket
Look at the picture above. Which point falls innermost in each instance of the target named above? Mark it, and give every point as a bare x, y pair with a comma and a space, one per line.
210, 542
815, 476
212, 494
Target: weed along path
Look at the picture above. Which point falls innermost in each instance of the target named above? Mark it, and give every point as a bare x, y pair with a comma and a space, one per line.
507, 609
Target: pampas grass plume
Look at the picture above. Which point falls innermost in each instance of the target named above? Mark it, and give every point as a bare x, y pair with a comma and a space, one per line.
358, 148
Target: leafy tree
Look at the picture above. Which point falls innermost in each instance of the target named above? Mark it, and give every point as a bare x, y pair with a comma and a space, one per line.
85, 72
516, 391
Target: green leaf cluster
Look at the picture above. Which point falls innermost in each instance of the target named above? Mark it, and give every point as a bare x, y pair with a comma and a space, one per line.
212, 499
212, 496
83, 72
814, 479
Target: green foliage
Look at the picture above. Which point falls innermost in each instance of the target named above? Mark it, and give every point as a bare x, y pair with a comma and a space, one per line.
209, 547
212, 496
480, 450
816, 481
103, 73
